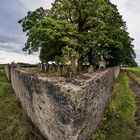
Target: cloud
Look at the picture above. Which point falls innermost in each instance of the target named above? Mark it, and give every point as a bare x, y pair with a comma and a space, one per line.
6, 57
10, 13
131, 13
132, 4
11, 47
33, 4
12, 38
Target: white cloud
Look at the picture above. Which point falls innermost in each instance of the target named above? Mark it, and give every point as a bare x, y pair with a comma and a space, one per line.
8, 57
12, 38
33, 4
131, 12
11, 47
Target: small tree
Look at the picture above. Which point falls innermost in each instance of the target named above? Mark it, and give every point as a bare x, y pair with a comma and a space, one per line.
70, 60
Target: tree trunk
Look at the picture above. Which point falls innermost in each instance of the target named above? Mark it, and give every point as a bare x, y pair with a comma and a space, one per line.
90, 57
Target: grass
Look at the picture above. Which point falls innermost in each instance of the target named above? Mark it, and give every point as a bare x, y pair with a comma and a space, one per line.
134, 73
134, 76
135, 70
14, 123
119, 118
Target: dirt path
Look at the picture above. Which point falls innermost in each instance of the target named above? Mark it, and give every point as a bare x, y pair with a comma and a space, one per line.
136, 88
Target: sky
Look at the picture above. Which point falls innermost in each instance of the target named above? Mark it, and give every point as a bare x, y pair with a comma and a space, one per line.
12, 38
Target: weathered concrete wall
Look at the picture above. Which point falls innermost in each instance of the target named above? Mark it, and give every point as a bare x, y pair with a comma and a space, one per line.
116, 71
64, 110
8, 71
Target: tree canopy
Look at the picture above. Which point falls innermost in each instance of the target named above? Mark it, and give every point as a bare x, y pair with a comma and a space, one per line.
92, 28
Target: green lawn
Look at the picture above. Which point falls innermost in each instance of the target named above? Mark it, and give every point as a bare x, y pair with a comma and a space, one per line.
119, 118
14, 124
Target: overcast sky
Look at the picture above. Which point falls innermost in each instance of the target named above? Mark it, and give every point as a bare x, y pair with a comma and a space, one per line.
12, 38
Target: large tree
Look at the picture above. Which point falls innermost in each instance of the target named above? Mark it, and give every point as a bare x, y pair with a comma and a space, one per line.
93, 28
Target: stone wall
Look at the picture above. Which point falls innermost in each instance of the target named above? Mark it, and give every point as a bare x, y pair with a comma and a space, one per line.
116, 71
8, 71
64, 109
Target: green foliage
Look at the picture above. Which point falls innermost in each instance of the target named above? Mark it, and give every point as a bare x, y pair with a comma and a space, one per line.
52, 36
92, 28
29, 21
118, 122
14, 124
